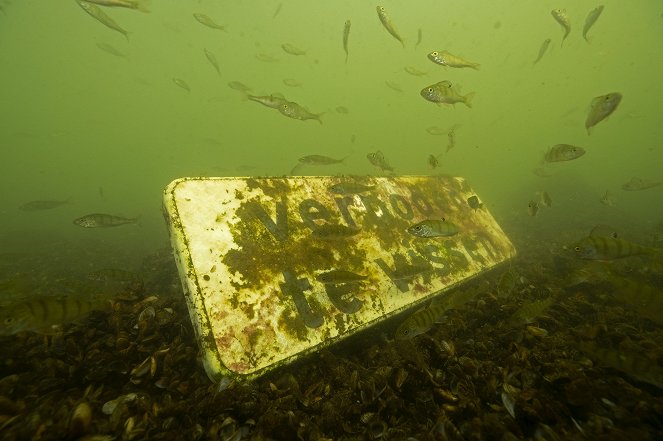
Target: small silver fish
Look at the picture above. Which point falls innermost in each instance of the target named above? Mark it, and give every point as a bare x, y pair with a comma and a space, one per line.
638, 184
346, 35
443, 93
139, 5
207, 21
414, 71
445, 58
339, 276
563, 152
601, 108
543, 49
239, 86
563, 19
388, 24
100, 220
295, 111
350, 188
292, 50
42, 205
419, 37
96, 12
319, 160
110, 50
273, 101
181, 83
212, 60
433, 228
593, 15
291, 82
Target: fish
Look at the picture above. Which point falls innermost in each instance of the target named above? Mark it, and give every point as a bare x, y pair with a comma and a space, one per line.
273, 101
110, 50
436, 131
350, 188
633, 364
377, 159
563, 152
419, 37
607, 199
444, 58
42, 314
451, 137
42, 205
334, 232
563, 19
261, 56
342, 110
239, 86
638, 184
593, 15
532, 208
542, 49
433, 228
291, 82
139, 5
414, 71
602, 107
421, 321
181, 83
506, 284
410, 271
292, 50
113, 275
277, 10
212, 60
388, 24
96, 12
601, 245
474, 203
339, 276
346, 35
529, 311
100, 220
444, 93
433, 162
545, 199
295, 111
207, 21
393, 86
320, 160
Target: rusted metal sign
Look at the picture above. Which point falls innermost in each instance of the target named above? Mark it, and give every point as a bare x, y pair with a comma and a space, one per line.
274, 268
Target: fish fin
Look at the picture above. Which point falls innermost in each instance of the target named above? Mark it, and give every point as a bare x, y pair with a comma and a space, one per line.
296, 168
141, 5
467, 99
602, 230
475, 66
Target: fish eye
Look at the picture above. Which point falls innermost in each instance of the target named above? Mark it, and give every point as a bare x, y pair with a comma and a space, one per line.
577, 248
434, 53
430, 89
8, 320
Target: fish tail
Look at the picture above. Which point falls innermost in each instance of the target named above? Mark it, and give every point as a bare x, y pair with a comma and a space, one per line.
475, 66
318, 117
467, 99
141, 5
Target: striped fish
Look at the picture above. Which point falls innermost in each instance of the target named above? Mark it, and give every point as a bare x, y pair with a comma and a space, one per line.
41, 314
599, 247
421, 321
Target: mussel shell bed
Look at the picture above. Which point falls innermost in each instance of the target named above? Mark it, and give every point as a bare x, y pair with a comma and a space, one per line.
134, 373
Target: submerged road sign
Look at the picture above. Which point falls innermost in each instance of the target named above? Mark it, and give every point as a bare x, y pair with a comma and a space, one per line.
274, 268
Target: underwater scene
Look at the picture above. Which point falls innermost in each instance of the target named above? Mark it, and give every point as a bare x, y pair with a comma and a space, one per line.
550, 110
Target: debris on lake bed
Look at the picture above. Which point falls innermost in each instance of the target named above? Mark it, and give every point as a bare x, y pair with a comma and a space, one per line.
585, 367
